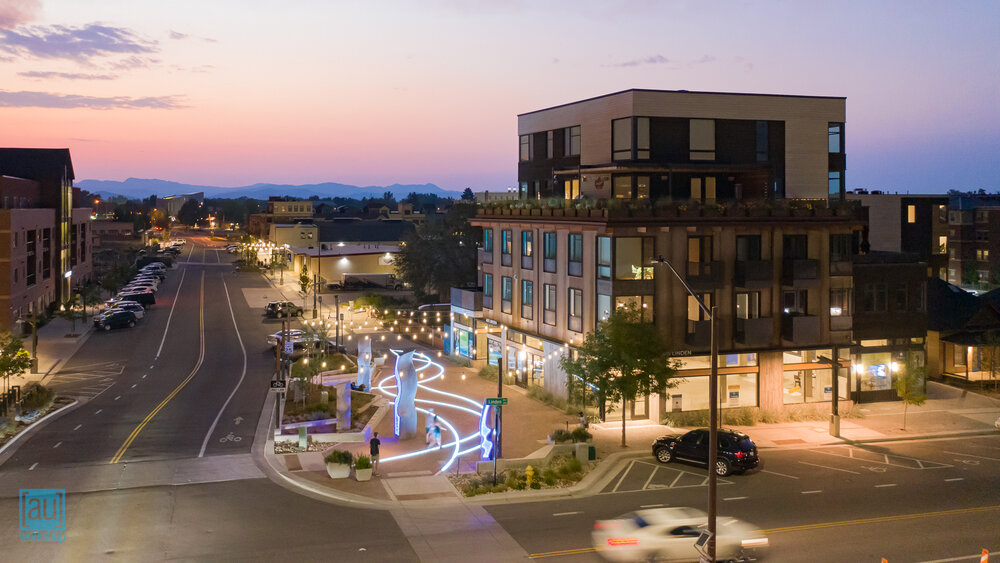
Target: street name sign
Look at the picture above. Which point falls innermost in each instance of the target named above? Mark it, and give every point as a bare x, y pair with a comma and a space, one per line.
496, 401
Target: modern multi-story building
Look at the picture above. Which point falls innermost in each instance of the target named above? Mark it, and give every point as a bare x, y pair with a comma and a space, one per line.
742, 194
44, 250
278, 211
973, 254
909, 223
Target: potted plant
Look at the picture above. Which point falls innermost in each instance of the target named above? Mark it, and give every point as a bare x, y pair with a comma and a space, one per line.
363, 468
338, 464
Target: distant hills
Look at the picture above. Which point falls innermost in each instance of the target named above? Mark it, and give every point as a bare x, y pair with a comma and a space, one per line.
140, 188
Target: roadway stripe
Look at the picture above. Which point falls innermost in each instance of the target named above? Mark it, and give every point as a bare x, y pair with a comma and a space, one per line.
954, 479
650, 505
735, 498
33, 466
201, 357
562, 553
973, 455
812, 492
828, 467
77, 427
885, 485
208, 435
171, 315
805, 527
975, 557
567, 513
776, 473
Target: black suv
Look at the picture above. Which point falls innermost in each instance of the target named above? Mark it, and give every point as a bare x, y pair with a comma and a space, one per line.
282, 309
115, 319
737, 452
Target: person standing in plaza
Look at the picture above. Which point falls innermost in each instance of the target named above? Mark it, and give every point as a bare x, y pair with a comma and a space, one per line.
374, 444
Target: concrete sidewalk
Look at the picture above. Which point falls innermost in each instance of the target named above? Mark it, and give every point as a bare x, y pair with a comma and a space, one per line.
57, 342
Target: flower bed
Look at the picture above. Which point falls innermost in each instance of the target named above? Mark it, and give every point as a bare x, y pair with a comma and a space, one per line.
561, 472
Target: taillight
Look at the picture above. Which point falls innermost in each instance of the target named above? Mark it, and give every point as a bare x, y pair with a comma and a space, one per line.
603, 525
740, 455
614, 542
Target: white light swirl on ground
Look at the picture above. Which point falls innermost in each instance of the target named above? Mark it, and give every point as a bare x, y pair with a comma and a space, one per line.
428, 364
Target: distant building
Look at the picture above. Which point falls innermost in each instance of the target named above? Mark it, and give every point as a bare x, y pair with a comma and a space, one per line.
910, 223
172, 204
973, 241
279, 210
44, 250
112, 231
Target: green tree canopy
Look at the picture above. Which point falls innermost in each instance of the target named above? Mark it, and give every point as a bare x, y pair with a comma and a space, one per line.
623, 358
910, 384
467, 195
440, 255
14, 359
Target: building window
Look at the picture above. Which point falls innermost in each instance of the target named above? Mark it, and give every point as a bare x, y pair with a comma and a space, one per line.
604, 258
548, 144
527, 145
31, 262
695, 313
550, 244
642, 187
488, 291
621, 187
549, 304
795, 302
621, 139
527, 299
603, 307
874, 299
840, 302
46, 253
527, 243
836, 132
702, 139
575, 255
642, 138
488, 240
699, 254
575, 310
762, 144
506, 244
506, 293
836, 181
899, 297
748, 248
748, 305
795, 247
642, 303
634, 258
571, 188
921, 299
911, 213
571, 141
840, 248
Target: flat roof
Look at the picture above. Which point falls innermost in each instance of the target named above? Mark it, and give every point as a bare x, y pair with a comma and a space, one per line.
683, 92
346, 250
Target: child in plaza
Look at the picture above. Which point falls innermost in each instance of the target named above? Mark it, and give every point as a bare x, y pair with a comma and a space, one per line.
430, 419
437, 435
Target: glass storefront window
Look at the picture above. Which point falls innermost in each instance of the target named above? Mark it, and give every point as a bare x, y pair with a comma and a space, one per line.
464, 343
494, 352
691, 393
807, 386
876, 372
642, 303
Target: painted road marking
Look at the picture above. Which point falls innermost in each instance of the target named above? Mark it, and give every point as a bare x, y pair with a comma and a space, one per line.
567, 513
885, 485
118, 397
955, 479
171, 315
133, 386
57, 445
812, 492
651, 505
971, 455
735, 498
77, 427
894, 460
144, 375
98, 411
828, 467
33, 466
776, 473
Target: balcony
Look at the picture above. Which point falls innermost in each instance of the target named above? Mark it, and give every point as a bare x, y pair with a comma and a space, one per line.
841, 322
485, 256
801, 273
800, 329
755, 332
754, 274
699, 334
704, 275
841, 268
468, 299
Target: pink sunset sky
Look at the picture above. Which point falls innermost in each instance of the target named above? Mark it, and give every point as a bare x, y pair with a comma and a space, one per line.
229, 93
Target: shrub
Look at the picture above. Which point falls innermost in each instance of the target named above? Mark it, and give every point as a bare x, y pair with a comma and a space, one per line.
560, 436
549, 477
36, 396
363, 462
339, 456
489, 372
536, 485
540, 394
581, 435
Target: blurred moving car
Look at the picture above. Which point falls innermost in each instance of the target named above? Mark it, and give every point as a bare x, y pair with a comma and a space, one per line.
737, 452
669, 534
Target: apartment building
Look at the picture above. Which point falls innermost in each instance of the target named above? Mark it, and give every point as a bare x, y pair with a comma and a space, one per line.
974, 255
278, 211
908, 223
742, 194
44, 239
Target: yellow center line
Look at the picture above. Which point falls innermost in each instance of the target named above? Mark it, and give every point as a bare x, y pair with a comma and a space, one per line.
201, 357
805, 527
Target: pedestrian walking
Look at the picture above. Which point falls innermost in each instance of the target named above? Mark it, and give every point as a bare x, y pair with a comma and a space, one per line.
583, 421
430, 419
437, 436
373, 445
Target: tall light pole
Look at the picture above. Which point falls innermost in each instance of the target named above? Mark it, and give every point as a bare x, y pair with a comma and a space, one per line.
319, 265
713, 409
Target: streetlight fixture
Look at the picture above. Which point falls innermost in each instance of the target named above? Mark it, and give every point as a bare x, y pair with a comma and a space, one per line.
713, 410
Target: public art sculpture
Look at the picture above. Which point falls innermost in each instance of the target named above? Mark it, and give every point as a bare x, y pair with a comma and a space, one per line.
405, 421
364, 363
487, 432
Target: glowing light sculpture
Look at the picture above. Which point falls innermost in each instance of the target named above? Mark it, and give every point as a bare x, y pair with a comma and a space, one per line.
364, 364
405, 421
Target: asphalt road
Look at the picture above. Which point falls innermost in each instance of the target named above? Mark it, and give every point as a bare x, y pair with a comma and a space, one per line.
909, 501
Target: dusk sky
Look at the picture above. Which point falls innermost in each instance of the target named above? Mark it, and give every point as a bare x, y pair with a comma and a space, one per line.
230, 93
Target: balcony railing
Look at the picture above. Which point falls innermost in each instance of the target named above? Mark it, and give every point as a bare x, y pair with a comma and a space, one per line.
800, 272
699, 334
703, 275
800, 329
485, 256
527, 262
841, 268
470, 299
755, 332
754, 274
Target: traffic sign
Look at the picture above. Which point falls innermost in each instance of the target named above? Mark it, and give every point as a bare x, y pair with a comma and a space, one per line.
496, 401
277, 385
289, 347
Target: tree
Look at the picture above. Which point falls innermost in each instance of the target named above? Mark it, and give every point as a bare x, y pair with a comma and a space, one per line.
989, 354
910, 385
624, 358
467, 195
14, 359
90, 295
304, 281
440, 255
191, 213
70, 310
115, 276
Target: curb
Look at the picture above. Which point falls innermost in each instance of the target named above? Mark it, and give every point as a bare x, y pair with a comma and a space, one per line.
32, 429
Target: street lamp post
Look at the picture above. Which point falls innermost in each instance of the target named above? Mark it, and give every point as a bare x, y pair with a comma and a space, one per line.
713, 410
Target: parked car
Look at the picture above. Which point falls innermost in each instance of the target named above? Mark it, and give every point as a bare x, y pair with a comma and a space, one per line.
737, 452
151, 278
282, 309
297, 337
135, 308
144, 298
133, 286
670, 533
115, 319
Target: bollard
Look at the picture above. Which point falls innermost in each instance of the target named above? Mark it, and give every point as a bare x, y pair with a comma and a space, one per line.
324, 399
303, 440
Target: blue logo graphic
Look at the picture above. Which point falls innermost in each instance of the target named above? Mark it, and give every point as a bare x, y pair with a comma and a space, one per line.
42, 514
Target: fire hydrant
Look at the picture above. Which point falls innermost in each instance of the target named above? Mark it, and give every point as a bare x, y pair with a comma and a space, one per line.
529, 475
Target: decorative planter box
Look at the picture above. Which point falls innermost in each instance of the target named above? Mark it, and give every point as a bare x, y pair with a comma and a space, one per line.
363, 474
802, 212
338, 470
536, 212
759, 211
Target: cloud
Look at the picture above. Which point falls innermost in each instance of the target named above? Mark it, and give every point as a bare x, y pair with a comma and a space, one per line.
80, 44
653, 60
178, 35
25, 99
133, 62
66, 75
16, 12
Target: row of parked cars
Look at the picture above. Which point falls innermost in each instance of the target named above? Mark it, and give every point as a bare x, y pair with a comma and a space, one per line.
130, 304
